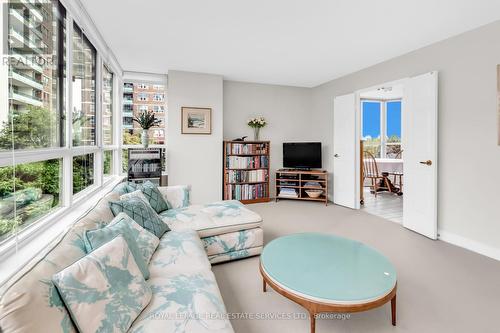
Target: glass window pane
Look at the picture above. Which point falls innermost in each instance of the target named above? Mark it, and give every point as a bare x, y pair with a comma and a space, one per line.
125, 160
138, 98
393, 129
371, 127
84, 58
108, 162
107, 107
27, 192
83, 172
35, 71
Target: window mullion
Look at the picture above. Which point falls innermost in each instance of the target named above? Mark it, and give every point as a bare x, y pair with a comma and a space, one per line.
67, 170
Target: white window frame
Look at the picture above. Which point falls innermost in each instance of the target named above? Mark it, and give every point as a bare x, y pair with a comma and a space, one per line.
68, 201
383, 120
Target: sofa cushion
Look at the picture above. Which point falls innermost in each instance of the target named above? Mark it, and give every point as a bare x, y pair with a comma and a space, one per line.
233, 241
146, 241
176, 196
105, 290
178, 251
212, 219
99, 237
184, 302
134, 194
142, 213
30, 298
154, 197
125, 187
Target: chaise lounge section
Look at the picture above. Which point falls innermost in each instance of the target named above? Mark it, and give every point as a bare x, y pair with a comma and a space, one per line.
185, 295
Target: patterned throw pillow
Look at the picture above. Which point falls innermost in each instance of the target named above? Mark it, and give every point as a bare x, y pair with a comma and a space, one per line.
142, 213
146, 241
154, 197
98, 237
176, 196
125, 187
104, 291
136, 193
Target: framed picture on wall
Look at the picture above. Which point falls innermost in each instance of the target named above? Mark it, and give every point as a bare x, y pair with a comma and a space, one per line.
196, 120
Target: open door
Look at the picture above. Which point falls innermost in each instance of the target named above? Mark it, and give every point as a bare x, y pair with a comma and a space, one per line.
420, 123
345, 150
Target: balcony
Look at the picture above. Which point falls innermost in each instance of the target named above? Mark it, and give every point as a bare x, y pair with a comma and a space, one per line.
24, 61
128, 101
127, 89
22, 79
23, 99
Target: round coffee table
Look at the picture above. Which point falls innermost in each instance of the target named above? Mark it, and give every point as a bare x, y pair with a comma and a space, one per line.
326, 273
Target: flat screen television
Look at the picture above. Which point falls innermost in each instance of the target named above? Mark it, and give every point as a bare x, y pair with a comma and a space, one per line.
302, 155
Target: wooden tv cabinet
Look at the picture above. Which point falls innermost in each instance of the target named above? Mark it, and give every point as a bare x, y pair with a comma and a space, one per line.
297, 180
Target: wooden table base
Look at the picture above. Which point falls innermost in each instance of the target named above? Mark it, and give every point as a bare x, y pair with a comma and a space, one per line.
315, 307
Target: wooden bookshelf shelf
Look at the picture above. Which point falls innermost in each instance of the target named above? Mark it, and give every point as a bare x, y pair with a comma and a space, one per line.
296, 180
246, 171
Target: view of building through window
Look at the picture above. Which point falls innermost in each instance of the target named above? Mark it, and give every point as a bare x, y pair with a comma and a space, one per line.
107, 106
34, 119
142, 97
381, 128
84, 67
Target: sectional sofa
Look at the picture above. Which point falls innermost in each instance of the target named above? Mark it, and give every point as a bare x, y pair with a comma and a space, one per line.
185, 295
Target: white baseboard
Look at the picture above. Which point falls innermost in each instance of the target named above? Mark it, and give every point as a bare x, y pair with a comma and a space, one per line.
469, 244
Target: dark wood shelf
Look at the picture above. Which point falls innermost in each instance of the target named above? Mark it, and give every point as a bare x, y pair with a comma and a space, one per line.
228, 152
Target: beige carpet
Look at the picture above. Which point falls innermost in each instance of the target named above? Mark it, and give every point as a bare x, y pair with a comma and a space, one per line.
441, 287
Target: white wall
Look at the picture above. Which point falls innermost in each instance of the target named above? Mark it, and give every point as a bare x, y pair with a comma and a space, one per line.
195, 159
287, 110
469, 157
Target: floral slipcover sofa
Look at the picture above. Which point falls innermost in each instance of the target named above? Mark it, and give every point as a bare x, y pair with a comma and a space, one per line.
185, 295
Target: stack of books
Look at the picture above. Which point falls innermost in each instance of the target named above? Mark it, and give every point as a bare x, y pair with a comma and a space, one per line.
253, 162
245, 192
288, 192
246, 176
312, 184
246, 149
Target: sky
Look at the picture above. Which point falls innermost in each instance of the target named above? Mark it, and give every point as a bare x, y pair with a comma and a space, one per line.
371, 119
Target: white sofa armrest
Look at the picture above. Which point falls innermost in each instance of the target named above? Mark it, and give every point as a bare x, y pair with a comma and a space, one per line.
176, 196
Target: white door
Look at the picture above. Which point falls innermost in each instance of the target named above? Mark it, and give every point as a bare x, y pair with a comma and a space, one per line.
345, 150
420, 125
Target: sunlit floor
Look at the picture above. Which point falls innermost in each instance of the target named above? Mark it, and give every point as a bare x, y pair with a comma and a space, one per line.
386, 205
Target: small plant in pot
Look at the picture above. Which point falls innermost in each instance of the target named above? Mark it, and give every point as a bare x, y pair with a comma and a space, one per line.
146, 120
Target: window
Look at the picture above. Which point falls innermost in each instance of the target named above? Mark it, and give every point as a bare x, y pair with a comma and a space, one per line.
372, 127
83, 172
27, 192
131, 130
158, 108
381, 130
35, 116
84, 64
108, 163
393, 128
107, 106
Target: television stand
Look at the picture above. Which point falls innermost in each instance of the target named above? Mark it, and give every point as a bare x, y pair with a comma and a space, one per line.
293, 184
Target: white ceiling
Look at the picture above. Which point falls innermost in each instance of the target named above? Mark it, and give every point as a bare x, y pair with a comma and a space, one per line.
289, 42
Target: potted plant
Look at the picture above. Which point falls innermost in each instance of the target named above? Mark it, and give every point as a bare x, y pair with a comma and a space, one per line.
146, 120
256, 123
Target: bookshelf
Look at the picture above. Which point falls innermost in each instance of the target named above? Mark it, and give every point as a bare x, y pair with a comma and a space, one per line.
298, 182
144, 165
246, 171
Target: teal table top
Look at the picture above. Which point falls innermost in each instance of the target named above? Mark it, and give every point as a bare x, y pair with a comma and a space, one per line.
328, 268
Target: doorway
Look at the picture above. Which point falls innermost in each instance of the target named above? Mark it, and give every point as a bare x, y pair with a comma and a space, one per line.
381, 138
415, 139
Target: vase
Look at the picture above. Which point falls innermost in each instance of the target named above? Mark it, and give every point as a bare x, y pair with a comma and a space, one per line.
256, 132
145, 138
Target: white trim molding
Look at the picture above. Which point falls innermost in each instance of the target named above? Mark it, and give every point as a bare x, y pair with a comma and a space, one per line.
469, 244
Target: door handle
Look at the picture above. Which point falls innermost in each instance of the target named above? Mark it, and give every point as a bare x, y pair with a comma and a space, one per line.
428, 162
336, 155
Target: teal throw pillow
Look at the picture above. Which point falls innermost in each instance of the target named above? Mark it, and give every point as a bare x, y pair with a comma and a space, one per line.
105, 290
98, 237
142, 213
155, 198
